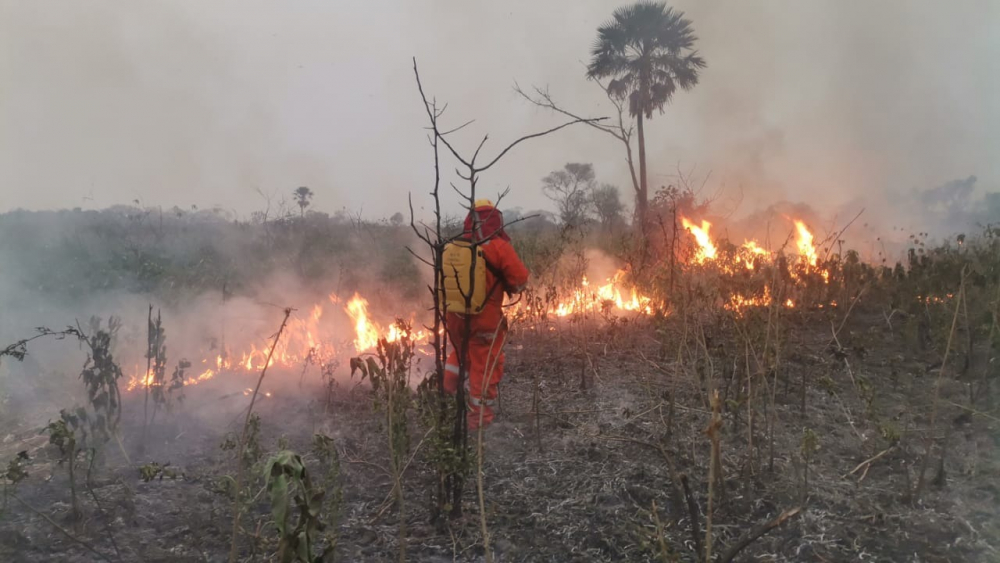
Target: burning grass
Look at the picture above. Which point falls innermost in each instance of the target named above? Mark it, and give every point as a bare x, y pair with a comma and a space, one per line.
310, 339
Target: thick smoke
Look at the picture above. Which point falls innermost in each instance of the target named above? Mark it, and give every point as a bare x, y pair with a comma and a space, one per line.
179, 103
219, 285
825, 104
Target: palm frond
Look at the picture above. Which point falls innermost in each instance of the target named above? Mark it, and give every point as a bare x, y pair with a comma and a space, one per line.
647, 49
620, 88
659, 94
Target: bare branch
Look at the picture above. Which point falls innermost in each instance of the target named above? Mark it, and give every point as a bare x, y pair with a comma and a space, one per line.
243, 439
418, 257
454, 152
413, 225
433, 115
62, 530
427, 234
502, 195
536, 135
841, 233
692, 505
545, 101
460, 127
621, 132
756, 533
509, 223
462, 195
479, 148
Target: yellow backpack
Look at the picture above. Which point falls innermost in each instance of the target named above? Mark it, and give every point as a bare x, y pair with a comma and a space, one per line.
458, 276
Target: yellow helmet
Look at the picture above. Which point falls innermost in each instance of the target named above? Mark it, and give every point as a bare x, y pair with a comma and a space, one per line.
483, 203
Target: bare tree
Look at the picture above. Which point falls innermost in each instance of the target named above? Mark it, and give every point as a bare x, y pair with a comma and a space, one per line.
470, 168
570, 190
621, 129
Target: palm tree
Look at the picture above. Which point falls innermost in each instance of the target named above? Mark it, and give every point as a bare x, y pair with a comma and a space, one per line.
647, 52
303, 196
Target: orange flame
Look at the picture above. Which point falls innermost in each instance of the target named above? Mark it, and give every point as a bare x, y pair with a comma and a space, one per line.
804, 240
739, 303
706, 250
611, 295
304, 339
365, 333
753, 250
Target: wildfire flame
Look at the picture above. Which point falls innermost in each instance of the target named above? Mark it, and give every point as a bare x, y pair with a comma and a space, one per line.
753, 250
805, 243
738, 303
706, 250
306, 340
751, 253
366, 334
586, 299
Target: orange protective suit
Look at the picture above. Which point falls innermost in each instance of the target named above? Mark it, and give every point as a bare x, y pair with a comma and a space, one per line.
489, 327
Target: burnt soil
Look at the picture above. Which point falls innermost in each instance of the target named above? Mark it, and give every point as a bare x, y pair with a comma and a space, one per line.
581, 479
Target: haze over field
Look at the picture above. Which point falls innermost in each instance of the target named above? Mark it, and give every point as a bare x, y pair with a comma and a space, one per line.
766, 327
201, 103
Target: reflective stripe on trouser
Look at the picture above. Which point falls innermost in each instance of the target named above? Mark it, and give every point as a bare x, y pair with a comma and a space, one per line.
484, 354
476, 402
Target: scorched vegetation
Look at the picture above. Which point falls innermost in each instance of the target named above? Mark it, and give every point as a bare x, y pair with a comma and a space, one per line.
729, 400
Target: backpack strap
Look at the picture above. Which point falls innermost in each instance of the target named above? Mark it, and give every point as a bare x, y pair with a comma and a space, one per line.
477, 234
497, 274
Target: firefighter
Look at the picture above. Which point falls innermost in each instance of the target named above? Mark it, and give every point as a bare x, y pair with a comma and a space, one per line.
497, 270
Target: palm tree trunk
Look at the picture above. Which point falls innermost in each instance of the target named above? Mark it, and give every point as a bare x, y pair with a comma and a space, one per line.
642, 197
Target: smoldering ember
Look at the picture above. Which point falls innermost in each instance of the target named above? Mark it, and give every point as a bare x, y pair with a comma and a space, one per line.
519, 281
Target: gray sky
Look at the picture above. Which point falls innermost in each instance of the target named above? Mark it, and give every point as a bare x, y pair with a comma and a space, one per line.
201, 101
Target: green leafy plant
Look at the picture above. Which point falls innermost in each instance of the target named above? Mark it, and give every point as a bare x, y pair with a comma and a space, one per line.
19, 350
389, 373
15, 473
890, 432
154, 470
68, 434
296, 506
156, 361
250, 457
100, 375
166, 394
